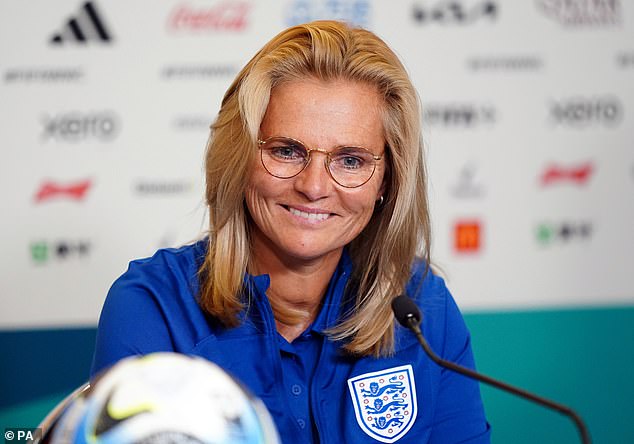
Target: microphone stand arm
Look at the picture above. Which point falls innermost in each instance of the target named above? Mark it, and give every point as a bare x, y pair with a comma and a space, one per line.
583, 431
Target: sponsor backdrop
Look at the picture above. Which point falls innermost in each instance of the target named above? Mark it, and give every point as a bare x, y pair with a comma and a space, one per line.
528, 116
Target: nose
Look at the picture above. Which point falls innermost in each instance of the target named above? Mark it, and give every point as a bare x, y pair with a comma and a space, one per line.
314, 181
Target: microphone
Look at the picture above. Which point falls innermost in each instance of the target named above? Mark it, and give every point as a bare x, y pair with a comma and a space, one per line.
409, 316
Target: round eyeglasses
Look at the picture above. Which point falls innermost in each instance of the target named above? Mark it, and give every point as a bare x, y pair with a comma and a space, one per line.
349, 166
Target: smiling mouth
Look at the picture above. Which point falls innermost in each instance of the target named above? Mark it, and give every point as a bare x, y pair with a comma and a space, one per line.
313, 217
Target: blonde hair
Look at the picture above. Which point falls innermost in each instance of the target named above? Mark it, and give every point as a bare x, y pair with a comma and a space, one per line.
384, 252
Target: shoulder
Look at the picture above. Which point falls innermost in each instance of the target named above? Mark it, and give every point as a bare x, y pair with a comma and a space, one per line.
166, 268
157, 293
183, 259
427, 288
167, 280
440, 313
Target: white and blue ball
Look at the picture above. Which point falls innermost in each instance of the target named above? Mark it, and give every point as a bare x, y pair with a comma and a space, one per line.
165, 398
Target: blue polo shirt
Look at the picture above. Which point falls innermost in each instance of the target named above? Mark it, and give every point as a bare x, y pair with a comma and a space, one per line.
315, 392
299, 360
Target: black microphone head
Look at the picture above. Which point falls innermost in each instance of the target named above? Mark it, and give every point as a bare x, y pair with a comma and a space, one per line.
406, 311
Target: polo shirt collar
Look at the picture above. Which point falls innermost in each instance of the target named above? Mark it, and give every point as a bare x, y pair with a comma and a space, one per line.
331, 304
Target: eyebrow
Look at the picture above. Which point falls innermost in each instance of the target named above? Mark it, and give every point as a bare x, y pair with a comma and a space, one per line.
323, 149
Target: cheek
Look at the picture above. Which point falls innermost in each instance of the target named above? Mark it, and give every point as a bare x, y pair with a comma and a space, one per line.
259, 184
368, 194
362, 203
261, 190
252, 193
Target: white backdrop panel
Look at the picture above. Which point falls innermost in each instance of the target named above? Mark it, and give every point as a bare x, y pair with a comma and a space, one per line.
510, 93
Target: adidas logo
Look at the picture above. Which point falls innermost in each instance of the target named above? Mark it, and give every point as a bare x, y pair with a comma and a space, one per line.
86, 26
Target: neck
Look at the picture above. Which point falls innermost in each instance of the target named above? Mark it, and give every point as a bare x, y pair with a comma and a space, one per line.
297, 287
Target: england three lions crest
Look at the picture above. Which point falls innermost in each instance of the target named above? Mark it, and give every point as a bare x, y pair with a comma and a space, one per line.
385, 402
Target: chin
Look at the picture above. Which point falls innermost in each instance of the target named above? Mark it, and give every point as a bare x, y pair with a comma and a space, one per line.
310, 253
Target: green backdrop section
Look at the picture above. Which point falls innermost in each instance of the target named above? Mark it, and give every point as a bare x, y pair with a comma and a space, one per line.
581, 358
38, 363
29, 414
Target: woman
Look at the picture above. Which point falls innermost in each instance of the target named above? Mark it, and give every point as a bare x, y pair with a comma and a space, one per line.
317, 203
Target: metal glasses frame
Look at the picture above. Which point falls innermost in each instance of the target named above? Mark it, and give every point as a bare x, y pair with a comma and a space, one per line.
327, 161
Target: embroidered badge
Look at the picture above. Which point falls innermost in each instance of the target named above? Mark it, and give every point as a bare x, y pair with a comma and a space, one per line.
385, 402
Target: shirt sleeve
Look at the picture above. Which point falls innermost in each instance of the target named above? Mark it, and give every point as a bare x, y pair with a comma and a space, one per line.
459, 416
131, 323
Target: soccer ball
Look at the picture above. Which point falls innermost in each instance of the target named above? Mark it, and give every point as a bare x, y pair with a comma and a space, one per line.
165, 398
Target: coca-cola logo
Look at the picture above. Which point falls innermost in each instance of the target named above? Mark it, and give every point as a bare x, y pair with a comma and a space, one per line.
78, 126
224, 16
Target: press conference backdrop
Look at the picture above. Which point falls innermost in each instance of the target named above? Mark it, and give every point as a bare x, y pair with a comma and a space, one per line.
528, 120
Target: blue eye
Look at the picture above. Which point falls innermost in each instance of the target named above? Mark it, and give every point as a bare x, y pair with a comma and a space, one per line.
287, 152
351, 162
351, 159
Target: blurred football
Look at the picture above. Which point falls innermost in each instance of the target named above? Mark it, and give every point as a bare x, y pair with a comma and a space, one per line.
165, 398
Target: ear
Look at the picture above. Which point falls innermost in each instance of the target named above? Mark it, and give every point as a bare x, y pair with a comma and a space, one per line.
381, 192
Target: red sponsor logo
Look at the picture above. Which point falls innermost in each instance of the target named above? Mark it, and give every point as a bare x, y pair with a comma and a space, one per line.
225, 16
51, 190
467, 236
578, 174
